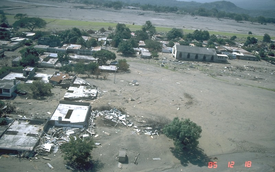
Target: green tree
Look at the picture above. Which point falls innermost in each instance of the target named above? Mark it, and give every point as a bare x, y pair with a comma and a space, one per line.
79, 68
213, 38
141, 35
20, 16
170, 44
81, 41
102, 30
198, 44
70, 36
174, 33
117, 5
2, 104
92, 67
238, 18
5, 34
122, 31
40, 89
30, 23
126, 48
91, 43
153, 45
266, 38
77, 152
250, 40
134, 42
272, 46
66, 68
63, 58
28, 42
189, 37
184, 43
221, 41
261, 19
233, 38
230, 42
200, 35
54, 40
148, 26
30, 56
103, 56
184, 133
116, 40
3, 18
123, 65
262, 54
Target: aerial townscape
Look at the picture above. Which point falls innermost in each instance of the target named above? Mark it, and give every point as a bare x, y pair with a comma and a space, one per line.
131, 85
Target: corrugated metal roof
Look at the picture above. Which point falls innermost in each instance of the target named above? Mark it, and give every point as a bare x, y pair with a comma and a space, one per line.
58, 77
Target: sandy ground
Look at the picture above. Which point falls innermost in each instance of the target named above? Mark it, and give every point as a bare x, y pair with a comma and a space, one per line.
50, 9
231, 102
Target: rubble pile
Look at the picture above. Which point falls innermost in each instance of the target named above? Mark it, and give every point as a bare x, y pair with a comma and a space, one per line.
118, 117
114, 115
55, 137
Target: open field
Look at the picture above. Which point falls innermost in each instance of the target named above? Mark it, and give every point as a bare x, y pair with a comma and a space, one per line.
66, 15
61, 24
233, 103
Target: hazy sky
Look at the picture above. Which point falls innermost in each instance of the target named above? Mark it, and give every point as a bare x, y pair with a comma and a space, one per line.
247, 4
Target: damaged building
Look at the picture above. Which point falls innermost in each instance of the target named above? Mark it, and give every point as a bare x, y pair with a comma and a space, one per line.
22, 134
62, 79
71, 114
80, 92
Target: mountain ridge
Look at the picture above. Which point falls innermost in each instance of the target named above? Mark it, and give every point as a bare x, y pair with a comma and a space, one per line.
225, 6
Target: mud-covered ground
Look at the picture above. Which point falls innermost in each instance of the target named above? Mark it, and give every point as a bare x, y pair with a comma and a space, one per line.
233, 103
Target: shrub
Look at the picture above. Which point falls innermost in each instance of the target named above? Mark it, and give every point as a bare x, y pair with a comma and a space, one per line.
40, 89
123, 65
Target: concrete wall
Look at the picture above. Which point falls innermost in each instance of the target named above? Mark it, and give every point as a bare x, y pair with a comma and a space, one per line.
195, 57
8, 92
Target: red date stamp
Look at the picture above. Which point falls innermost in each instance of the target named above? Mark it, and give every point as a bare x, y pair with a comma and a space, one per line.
248, 164
230, 164
212, 164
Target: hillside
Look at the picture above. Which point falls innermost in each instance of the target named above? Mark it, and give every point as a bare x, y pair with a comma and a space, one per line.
225, 6
222, 6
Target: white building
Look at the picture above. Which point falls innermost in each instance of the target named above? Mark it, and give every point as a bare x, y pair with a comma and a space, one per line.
71, 114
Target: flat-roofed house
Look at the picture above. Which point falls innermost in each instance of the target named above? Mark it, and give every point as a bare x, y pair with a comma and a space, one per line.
7, 88
71, 114
23, 134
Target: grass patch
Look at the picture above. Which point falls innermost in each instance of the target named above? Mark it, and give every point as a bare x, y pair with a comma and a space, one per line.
269, 89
